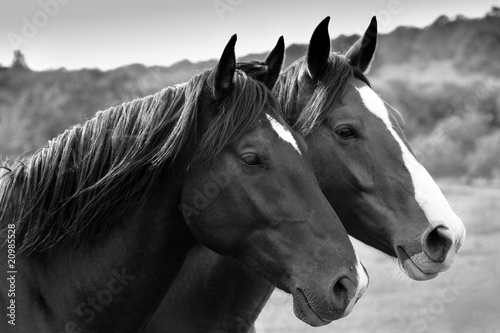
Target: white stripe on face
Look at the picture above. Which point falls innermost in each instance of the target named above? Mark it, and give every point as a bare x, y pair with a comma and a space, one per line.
283, 133
427, 193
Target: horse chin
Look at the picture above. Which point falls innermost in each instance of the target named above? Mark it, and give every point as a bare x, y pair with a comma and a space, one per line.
303, 310
419, 267
415, 273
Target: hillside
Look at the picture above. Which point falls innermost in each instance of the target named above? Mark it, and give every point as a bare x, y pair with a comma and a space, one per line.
446, 72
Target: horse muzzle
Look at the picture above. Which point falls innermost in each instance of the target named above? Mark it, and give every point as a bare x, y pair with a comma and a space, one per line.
439, 247
317, 310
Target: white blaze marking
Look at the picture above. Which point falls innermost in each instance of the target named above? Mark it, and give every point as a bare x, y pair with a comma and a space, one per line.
427, 193
363, 278
362, 285
283, 133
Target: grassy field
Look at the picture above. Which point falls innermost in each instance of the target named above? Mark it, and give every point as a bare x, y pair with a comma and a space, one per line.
465, 298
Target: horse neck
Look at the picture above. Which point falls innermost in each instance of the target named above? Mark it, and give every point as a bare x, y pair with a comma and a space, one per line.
116, 284
211, 286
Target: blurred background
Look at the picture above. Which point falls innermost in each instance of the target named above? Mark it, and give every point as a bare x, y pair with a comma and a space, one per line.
437, 62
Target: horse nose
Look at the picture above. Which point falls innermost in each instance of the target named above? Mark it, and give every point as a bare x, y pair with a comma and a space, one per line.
437, 243
346, 292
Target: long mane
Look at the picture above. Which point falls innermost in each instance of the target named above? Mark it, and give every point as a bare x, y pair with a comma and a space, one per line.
329, 91
73, 190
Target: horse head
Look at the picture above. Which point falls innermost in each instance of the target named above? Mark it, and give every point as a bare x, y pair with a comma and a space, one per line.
258, 199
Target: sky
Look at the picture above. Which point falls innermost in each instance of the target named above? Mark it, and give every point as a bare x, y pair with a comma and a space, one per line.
108, 34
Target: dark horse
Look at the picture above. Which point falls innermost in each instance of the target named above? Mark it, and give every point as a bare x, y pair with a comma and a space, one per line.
366, 169
97, 224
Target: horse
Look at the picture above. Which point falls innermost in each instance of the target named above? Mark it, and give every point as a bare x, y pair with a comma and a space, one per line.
96, 225
382, 194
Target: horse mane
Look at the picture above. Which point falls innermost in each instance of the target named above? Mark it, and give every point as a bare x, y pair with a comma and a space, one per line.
73, 190
329, 90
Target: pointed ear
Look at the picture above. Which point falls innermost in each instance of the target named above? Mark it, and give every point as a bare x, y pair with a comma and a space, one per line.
361, 53
318, 51
274, 61
224, 72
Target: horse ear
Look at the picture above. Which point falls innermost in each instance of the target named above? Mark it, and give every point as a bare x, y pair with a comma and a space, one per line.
224, 71
274, 61
360, 55
318, 51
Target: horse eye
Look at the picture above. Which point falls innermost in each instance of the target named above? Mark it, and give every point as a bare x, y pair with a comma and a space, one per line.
251, 159
345, 132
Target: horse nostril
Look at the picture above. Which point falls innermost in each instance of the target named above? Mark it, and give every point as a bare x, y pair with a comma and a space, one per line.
339, 291
343, 291
438, 243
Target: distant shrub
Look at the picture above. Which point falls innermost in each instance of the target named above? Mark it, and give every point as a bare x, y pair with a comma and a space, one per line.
444, 160
445, 150
484, 162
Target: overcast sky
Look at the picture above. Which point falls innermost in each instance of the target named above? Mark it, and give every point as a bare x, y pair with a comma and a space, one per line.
111, 33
